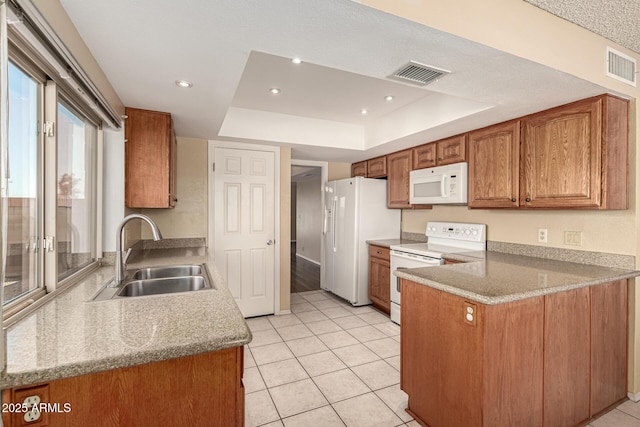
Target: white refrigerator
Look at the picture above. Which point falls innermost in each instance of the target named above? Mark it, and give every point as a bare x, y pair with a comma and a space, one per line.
355, 210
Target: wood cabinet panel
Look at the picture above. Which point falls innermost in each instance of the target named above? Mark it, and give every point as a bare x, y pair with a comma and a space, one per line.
380, 252
608, 344
561, 157
398, 168
444, 152
424, 156
512, 374
150, 159
566, 358
452, 150
359, 169
494, 166
377, 168
379, 282
199, 390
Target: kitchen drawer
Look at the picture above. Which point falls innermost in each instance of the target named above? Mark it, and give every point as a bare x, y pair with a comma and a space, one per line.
379, 252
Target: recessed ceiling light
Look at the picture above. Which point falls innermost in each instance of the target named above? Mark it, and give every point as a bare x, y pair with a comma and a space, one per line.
388, 98
296, 61
364, 112
274, 90
184, 83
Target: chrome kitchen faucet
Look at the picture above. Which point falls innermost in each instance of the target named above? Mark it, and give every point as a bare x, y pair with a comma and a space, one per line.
121, 262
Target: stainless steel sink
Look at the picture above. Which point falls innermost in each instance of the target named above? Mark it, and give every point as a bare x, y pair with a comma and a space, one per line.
170, 271
167, 285
157, 280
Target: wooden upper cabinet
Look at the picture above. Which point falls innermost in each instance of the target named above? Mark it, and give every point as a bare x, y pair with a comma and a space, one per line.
377, 168
565, 152
424, 156
398, 168
494, 166
359, 169
439, 153
150, 159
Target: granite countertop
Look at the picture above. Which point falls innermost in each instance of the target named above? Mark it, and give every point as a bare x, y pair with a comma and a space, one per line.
387, 243
70, 335
497, 278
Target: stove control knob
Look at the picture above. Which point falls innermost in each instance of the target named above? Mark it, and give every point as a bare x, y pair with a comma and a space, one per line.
467, 232
474, 232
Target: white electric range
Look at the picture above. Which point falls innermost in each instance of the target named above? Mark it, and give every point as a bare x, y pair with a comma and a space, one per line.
443, 238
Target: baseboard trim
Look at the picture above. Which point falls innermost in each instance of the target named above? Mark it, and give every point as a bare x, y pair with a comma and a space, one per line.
308, 259
634, 396
281, 312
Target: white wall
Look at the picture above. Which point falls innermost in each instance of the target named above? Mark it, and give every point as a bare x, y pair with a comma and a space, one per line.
113, 209
309, 219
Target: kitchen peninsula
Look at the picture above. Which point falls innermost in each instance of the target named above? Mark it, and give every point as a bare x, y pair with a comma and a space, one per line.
509, 340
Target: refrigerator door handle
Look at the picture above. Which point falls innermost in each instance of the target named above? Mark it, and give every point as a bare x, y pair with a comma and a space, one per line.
324, 223
333, 227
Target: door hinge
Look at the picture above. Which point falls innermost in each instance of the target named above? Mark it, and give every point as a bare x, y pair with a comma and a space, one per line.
48, 128
48, 242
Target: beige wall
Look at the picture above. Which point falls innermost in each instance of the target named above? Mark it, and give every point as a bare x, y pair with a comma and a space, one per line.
559, 44
189, 217
285, 228
338, 171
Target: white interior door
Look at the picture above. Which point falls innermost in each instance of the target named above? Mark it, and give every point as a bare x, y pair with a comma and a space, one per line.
244, 229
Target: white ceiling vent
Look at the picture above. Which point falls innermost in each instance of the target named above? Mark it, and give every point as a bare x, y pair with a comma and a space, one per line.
418, 74
621, 67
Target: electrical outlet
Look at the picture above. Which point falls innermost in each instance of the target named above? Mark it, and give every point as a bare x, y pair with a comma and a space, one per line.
542, 235
573, 238
33, 414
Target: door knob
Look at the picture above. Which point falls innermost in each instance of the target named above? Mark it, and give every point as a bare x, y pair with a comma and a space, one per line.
270, 242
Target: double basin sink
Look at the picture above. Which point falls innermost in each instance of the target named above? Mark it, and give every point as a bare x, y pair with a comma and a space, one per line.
158, 280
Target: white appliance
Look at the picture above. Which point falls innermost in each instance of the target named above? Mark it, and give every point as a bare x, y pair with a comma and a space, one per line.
443, 238
439, 185
355, 211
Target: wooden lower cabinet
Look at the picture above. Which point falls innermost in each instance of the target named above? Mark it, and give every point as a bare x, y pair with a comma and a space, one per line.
199, 390
555, 360
379, 278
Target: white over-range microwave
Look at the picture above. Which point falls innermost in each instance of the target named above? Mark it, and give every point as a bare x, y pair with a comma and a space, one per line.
443, 185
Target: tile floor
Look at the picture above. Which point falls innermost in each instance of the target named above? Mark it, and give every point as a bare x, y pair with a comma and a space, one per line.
331, 364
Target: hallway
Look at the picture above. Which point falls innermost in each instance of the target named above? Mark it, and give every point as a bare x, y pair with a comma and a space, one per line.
305, 275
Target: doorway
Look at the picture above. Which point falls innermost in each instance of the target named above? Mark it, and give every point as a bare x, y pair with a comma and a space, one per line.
307, 252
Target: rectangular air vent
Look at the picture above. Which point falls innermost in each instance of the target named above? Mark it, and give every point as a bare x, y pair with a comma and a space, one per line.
418, 74
621, 67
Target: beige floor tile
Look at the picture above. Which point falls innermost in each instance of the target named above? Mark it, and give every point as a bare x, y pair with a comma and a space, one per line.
340, 385
366, 333
265, 337
302, 307
259, 409
308, 345
361, 309
394, 361
271, 353
273, 424
336, 312
390, 329
395, 399
284, 320
366, 411
374, 318
323, 327
312, 316
321, 417
396, 338
630, 407
296, 298
249, 362
616, 418
325, 303
413, 424
377, 375
297, 397
337, 339
294, 332
315, 297
283, 372
259, 324
350, 322
386, 347
253, 380
321, 363
355, 355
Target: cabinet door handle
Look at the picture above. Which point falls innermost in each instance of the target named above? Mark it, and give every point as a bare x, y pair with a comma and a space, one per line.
513, 200
527, 199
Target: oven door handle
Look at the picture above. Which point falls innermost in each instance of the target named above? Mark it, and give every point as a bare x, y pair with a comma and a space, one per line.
428, 261
398, 279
